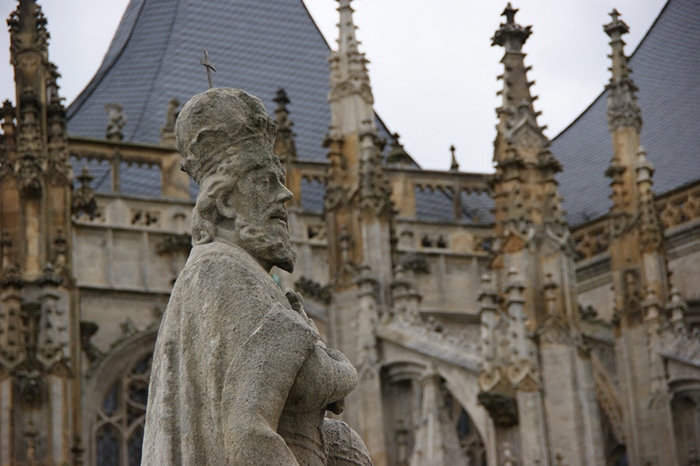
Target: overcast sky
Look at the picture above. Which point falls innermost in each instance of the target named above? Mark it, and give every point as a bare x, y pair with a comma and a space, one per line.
432, 68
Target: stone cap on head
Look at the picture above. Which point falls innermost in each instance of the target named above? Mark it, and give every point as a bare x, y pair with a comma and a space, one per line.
213, 124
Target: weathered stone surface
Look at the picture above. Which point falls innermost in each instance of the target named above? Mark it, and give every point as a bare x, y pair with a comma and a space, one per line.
240, 375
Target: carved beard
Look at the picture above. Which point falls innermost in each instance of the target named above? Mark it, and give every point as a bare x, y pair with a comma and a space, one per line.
268, 243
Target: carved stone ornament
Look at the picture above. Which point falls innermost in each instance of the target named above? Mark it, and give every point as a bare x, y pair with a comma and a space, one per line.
560, 234
314, 290
554, 330
623, 110
375, 188
285, 145
508, 455
405, 296
349, 88
170, 117
83, 203
61, 254
415, 262
503, 409
620, 222
523, 375
12, 325
525, 133
511, 34
117, 120
650, 238
491, 379
29, 176
334, 196
173, 243
87, 331
31, 386
521, 228
335, 173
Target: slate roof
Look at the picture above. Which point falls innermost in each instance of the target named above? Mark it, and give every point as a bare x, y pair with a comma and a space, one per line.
257, 46
666, 68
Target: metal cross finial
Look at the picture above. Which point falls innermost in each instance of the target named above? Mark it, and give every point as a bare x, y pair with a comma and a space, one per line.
454, 166
615, 15
209, 66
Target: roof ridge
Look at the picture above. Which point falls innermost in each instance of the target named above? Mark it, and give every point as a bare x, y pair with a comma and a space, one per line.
159, 67
313, 21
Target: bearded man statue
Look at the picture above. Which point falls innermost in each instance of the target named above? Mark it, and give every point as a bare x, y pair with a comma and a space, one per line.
240, 375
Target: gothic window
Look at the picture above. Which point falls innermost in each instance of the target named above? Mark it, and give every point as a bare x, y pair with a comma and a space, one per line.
121, 417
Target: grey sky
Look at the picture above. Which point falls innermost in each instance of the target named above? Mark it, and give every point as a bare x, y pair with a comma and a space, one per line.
432, 68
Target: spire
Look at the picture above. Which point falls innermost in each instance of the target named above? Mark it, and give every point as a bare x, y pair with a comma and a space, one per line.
28, 45
40, 114
633, 215
351, 94
623, 110
353, 120
524, 164
285, 147
347, 40
511, 35
518, 119
454, 165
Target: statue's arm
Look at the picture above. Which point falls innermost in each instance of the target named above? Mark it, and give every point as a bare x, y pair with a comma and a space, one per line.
337, 371
256, 386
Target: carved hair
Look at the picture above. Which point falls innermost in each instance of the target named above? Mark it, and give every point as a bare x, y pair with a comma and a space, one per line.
215, 131
206, 215
219, 185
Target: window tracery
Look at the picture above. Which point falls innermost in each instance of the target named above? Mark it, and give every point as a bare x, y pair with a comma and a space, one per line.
120, 419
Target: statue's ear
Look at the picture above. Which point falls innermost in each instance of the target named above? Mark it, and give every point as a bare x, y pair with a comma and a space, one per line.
223, 205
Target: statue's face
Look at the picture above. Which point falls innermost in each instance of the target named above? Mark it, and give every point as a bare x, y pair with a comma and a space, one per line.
261, 224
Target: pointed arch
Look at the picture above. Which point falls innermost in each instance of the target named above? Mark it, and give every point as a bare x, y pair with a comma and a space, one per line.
115, 396
402, 395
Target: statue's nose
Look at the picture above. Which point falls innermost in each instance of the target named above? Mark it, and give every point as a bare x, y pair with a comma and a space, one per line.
285, 194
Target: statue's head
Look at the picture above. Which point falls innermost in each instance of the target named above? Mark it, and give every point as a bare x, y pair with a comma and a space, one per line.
225, 137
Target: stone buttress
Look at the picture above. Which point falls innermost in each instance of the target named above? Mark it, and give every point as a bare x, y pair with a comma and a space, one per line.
40, 390
648, 313
359, 218
536, 379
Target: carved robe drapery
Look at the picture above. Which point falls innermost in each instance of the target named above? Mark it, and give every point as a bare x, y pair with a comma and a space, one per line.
238, 377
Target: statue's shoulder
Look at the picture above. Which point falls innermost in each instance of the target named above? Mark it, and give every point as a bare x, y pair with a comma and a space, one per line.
227, 255
219, 262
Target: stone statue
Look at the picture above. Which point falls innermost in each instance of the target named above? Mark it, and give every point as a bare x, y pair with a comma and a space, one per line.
240, 376
170, 117
117, 120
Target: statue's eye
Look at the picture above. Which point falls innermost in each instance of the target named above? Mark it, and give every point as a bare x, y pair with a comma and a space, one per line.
271, 180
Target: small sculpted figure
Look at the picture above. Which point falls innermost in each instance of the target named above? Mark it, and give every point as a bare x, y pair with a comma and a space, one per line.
117, 120
240, 375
